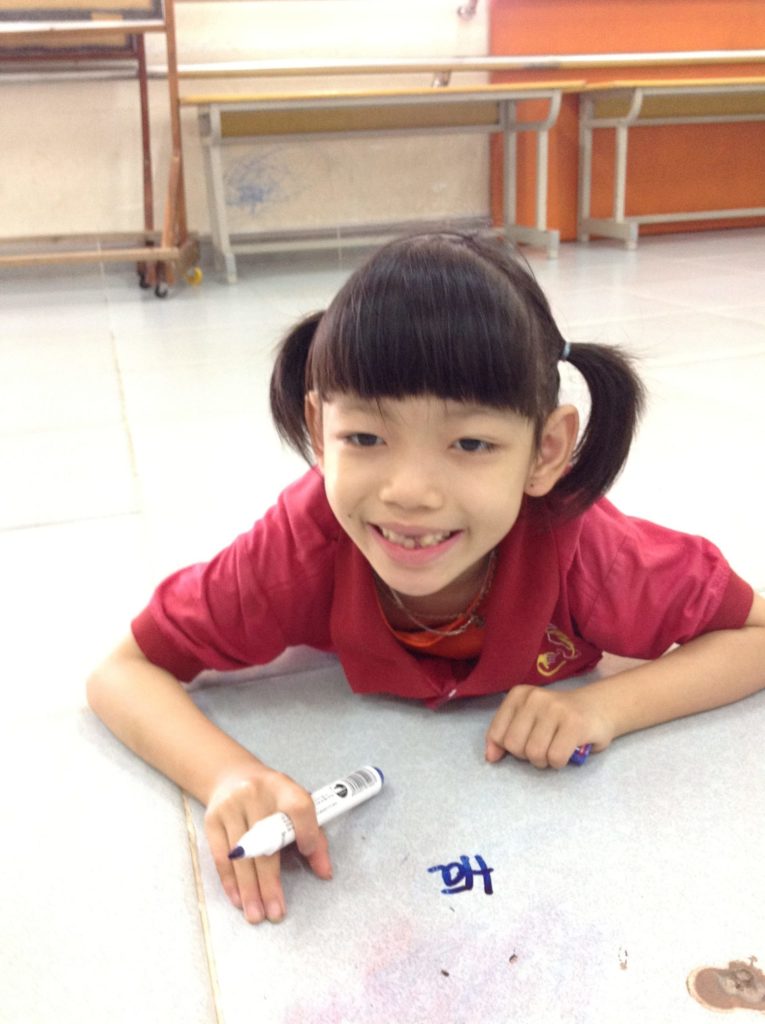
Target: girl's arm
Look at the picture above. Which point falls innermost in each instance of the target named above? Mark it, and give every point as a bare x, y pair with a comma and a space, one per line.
545, 726
148, 709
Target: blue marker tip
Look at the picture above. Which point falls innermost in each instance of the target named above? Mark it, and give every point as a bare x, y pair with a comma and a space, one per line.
236, 853
581, 754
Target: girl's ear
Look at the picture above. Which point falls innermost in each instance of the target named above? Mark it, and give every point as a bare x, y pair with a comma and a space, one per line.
555, 449
313, 422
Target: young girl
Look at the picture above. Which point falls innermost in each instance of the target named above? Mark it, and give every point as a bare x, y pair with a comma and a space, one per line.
451, 540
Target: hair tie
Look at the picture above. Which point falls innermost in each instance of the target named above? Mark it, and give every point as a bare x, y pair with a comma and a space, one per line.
566, 352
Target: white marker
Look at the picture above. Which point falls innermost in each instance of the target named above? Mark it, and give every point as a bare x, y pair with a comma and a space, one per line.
277, 831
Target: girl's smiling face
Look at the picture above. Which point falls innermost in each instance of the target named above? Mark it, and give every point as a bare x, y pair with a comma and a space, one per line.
426, 487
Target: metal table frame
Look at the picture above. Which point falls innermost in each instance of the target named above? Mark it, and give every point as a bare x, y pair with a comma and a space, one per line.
485, 109
691, 97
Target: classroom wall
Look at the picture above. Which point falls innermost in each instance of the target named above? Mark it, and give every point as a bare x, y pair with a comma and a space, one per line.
71, 152
727, 159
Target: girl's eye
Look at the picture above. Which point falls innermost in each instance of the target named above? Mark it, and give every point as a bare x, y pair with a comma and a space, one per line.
363, 440
473, 444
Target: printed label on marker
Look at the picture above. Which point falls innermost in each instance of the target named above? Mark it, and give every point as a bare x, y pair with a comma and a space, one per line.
352, 785
360, 780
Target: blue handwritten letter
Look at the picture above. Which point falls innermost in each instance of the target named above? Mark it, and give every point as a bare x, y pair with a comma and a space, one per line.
461, 872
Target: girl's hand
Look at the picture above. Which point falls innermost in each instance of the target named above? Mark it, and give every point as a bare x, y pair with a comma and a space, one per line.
237, 801
546, 726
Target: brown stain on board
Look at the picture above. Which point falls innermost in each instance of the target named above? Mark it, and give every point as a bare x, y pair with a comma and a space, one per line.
739, 986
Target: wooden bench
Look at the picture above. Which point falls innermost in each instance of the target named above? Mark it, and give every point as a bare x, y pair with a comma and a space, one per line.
230, 120
622, 105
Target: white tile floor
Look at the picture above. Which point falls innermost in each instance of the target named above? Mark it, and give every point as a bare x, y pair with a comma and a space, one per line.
134, 437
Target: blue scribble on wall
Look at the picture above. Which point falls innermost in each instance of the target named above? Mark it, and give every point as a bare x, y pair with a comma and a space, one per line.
461, 871
252, 182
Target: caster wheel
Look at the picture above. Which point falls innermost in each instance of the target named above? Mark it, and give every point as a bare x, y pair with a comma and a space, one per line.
143, 283
161, 291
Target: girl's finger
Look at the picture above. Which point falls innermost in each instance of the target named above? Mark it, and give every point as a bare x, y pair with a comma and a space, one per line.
300, 809
248, 884
562, 747
219, 843
495, 747
493, 752
270, 894
519, 730
239, 878
540, 738
319, 860
248, 876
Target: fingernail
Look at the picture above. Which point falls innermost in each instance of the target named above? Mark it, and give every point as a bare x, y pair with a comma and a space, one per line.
274, 910
254, 912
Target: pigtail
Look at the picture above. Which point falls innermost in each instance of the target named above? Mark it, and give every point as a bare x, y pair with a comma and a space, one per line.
289, 386
617, 397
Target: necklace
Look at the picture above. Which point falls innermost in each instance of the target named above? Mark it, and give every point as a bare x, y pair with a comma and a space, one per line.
459, 622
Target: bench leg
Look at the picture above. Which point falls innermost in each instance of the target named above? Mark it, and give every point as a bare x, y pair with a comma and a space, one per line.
510, 168
552, 236
209, 130
540, 234
585, 170
618, 226
620, 189
620, 173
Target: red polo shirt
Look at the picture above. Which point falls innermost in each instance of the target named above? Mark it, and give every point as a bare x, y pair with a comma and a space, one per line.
564, 591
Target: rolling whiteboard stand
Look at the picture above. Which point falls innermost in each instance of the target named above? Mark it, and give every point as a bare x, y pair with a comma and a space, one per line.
79, 33
624, 105
230, 120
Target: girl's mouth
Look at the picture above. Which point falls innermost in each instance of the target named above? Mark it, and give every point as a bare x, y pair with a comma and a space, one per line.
414, 549
410, 542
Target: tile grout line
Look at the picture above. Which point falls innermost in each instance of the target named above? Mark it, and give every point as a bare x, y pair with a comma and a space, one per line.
121, 392
43, 524
202, 905
124, 415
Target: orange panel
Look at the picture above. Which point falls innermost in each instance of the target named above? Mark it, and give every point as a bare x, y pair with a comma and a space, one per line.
726, 159
616, 26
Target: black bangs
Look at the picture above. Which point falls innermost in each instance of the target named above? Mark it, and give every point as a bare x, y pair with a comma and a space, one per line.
459, 317
434, 315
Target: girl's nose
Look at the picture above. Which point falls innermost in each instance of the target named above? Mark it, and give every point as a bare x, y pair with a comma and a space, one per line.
411, 484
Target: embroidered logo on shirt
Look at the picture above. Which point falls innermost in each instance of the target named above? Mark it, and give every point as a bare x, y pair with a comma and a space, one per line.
561, 649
